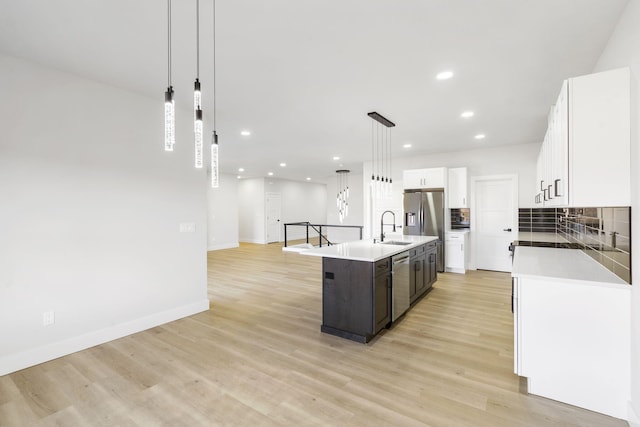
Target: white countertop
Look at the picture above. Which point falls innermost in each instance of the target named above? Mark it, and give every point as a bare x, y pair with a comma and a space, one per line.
457, 231
564, 264
541, 237
366, 250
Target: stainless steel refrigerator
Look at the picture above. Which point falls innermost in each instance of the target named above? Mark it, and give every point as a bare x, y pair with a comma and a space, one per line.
424, 216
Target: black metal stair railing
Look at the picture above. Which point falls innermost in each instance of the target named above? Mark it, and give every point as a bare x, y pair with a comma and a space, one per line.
318, 229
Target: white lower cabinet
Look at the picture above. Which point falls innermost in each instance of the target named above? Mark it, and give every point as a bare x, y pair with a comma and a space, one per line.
455, 248
571, 341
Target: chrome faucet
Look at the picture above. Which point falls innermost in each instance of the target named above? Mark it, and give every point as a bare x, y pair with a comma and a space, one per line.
382, 224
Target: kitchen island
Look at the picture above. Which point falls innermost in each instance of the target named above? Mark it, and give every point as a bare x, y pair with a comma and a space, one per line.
359, 296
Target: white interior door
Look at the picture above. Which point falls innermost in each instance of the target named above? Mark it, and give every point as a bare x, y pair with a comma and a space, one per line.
273, 212
495, 224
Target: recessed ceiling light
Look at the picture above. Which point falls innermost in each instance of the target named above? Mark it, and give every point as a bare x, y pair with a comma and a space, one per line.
239, 177
270, 174
467, 114
240, 169
336, 157
406, 146
444, 75
283, 164
480, 136
245, 133
308, 178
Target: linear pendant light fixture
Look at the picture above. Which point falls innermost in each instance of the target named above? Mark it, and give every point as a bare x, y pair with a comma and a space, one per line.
197, 97
381, 180
215, 183
342, 199
169, 103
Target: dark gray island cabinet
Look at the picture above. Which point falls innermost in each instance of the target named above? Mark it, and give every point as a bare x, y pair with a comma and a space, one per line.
357, 296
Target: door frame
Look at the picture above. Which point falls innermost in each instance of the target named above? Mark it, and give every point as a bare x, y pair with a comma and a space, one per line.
266, 215
472, 229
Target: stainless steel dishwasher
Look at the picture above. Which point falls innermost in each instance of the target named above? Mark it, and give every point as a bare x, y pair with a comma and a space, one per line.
401, 282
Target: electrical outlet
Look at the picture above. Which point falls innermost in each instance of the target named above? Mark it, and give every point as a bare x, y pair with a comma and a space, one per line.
48, 318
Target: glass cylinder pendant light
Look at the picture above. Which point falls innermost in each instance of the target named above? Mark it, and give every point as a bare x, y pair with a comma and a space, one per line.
198, 139
169, 102
342, 198
214, 137
381, 181
197, 98
215, 183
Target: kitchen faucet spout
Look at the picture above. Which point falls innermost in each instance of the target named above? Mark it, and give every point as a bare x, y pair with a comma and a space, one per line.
382, 224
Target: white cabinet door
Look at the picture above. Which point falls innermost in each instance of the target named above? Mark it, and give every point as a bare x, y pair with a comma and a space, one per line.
599, 139
572, 342
412, 178
457, 188
454, 246
560, 150
424, 178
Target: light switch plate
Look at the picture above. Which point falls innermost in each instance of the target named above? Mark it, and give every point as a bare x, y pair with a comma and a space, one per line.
48, 318
188, 227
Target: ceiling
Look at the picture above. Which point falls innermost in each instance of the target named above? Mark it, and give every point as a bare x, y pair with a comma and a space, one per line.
302, 75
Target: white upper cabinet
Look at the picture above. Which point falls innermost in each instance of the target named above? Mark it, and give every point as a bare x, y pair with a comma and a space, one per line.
424, 178
457, 188
585, 155
600, 139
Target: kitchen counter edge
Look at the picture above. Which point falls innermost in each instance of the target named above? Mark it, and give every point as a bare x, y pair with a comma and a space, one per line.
367, 250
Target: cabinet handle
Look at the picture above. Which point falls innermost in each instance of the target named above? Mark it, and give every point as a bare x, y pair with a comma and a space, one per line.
555, 183
541, 185
549, 192
544, 194
464, 201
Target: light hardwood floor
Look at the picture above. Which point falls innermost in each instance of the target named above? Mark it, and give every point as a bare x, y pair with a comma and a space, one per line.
257, 357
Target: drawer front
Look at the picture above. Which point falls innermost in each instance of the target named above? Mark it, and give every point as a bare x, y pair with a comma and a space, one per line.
431, 244
383, 265
455, 237
418, 251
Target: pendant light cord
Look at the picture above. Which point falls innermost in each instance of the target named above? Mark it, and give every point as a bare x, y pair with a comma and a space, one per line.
169, 42
214, 66
198, 39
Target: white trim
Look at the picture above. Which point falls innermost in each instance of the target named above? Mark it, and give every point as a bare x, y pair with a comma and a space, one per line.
633, 416
256, 241
222, 246
17, 361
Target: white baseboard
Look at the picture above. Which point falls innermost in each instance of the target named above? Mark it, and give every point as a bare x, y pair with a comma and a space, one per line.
35, 356
634, 415
222, 246
256, 241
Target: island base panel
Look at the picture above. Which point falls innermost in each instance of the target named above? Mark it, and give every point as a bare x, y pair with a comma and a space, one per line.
345, 334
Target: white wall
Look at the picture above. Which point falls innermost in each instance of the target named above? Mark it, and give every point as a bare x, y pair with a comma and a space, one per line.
623, 50
90, 207
301, 201
251, 206
222, 214
514, 159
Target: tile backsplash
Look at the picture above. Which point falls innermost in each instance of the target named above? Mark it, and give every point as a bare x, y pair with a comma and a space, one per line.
602, 233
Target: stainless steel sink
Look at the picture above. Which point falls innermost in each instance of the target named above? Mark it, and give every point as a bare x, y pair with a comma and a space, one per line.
396, 242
